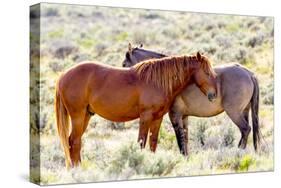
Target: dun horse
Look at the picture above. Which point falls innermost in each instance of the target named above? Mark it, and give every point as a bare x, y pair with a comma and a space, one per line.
238, 91
143, 91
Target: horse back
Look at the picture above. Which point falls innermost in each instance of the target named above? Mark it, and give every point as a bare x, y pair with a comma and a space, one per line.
86, 72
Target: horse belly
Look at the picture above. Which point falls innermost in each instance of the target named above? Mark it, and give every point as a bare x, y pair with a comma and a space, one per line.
204, 109
115, 107
197, 104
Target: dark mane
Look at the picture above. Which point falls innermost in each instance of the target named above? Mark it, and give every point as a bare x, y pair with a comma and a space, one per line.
147, 51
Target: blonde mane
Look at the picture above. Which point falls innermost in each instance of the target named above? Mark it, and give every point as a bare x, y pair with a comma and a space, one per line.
170, 72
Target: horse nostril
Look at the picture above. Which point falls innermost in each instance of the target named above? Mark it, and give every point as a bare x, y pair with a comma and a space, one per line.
211, 96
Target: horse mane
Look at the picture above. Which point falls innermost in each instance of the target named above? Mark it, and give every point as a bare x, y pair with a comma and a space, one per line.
170, 72
148, 51
207, 66
164, 73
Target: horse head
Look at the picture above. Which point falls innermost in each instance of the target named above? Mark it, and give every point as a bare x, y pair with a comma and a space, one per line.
138, 54
205, 77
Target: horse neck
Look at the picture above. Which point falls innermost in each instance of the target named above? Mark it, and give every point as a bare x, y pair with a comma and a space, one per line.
142, 55
187, 79
171, 75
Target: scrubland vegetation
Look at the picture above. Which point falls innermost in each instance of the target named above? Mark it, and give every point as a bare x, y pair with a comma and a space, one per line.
71, 34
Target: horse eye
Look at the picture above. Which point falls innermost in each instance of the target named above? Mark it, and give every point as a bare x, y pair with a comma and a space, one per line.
128, 56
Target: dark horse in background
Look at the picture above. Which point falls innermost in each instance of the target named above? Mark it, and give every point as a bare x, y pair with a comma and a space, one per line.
145, 90
238, 92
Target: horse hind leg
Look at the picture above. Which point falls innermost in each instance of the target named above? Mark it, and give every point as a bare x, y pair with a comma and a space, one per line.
245, 116
242, 122
79, 123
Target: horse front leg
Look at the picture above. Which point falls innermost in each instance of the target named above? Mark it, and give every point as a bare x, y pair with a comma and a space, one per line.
154, 132
177, 122
185, 129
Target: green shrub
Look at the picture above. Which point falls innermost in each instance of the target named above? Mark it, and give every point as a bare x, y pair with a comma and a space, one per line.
245, 163
268, 94
122, 36
131, 155
228, 138
166, 139
200, 134
115, 125
50, 11
56, 34
139, 37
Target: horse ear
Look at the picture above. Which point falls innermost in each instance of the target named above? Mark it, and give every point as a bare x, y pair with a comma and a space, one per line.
198, 55
130, 48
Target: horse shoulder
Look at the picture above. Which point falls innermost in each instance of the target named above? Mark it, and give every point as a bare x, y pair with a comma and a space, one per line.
153, 98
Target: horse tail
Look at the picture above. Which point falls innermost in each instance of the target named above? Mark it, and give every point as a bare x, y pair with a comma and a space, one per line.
255, 113
62, 119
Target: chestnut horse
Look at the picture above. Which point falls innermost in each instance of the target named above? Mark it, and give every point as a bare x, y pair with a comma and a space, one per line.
143, 91
238, 91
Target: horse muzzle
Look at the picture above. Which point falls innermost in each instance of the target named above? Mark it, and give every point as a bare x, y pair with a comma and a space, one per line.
212, 96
